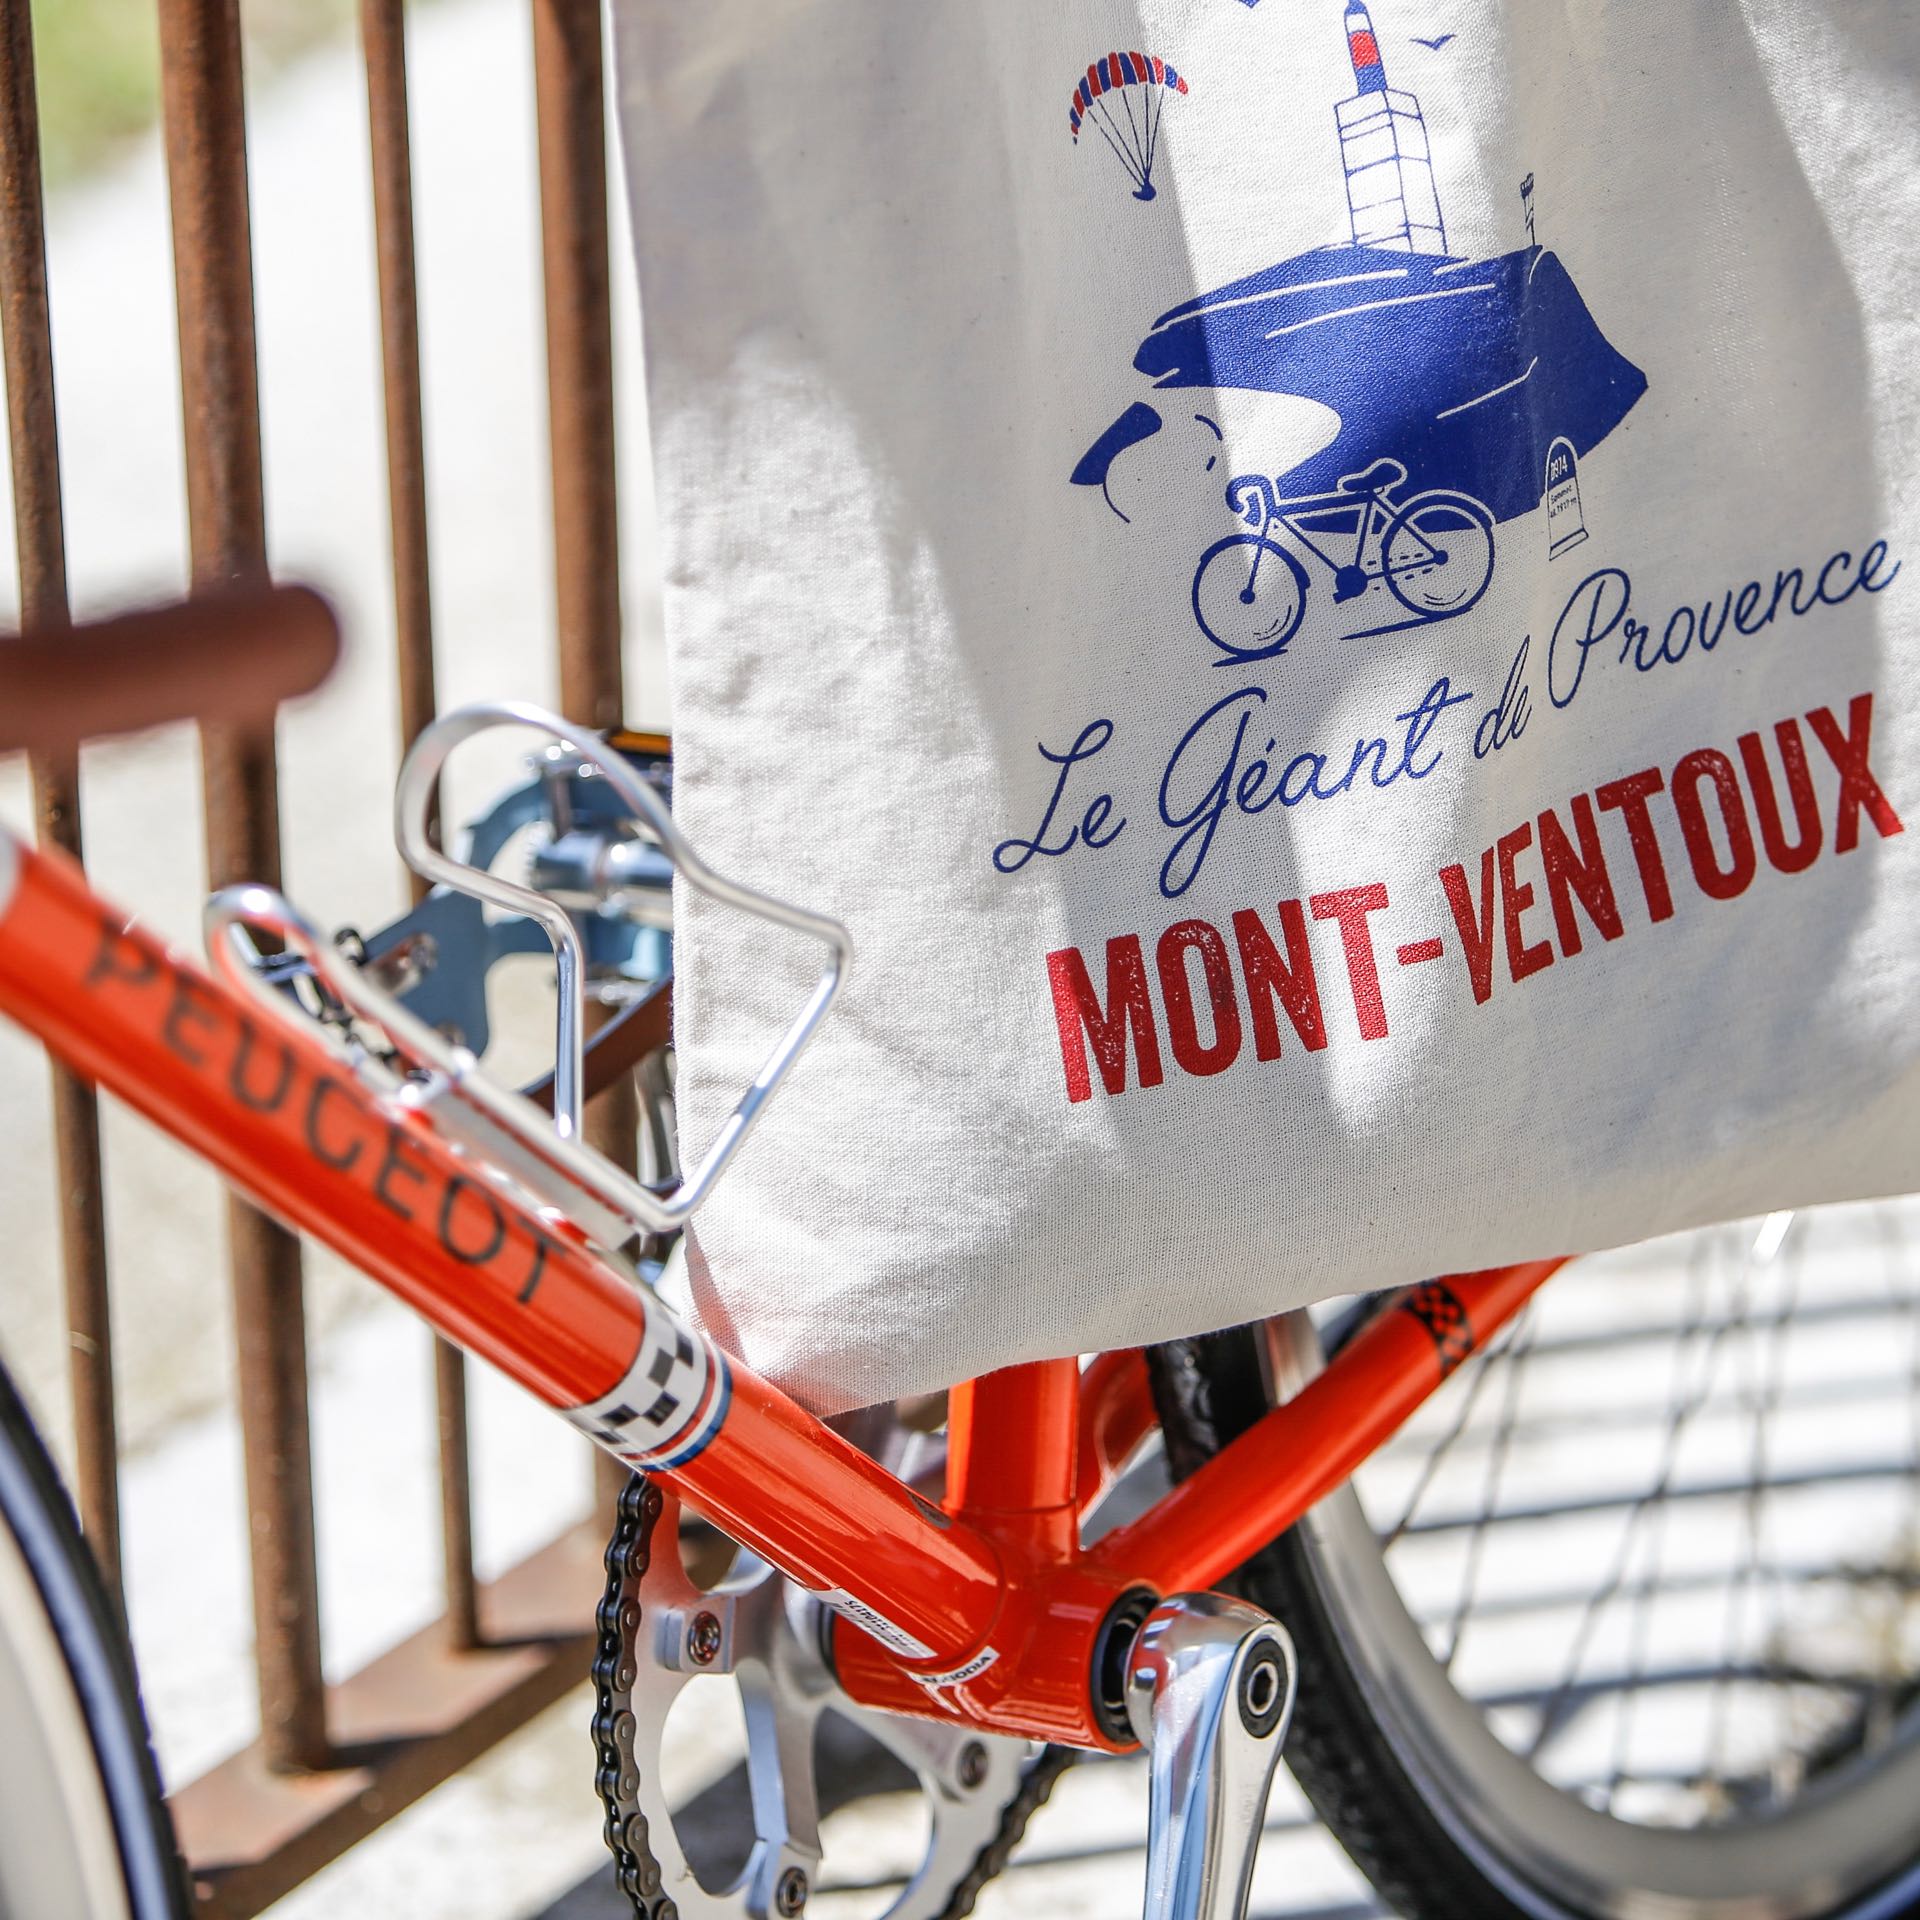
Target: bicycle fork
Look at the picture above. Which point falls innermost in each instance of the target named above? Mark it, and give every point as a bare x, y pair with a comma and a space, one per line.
1210, 1685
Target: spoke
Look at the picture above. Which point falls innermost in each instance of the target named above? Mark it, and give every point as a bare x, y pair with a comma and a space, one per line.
1899, 1582
1843, 1390
1644, 1592
1490, 1485
1786, 1251
1647, 1331
1884, 1708
1894, 1246
1702, 1674
1436, 1454
1697, 1281
1695, 1492
1639, 1629
1733, 1613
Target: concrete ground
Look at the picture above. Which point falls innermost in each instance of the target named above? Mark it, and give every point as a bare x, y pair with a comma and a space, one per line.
517, 1835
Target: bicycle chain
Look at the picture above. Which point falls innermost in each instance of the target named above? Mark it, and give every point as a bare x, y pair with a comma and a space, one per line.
617, 1651
615, 1654
1035, 1785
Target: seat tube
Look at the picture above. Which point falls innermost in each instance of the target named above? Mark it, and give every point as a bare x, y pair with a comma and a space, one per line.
1012, 1449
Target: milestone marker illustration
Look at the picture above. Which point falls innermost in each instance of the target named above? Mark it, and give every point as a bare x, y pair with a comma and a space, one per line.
1123, 98
1432, 398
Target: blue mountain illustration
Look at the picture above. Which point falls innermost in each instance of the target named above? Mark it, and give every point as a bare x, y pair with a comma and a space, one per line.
1462, 370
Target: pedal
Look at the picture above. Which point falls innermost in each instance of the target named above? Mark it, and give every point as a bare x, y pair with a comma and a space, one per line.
1210, 1685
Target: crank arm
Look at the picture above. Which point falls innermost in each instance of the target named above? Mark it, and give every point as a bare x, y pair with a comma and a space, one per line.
1210, 1685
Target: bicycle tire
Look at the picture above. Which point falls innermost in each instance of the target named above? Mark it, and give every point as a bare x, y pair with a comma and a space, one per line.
1272, 638
84, 1828
1364, 1776
1465, 507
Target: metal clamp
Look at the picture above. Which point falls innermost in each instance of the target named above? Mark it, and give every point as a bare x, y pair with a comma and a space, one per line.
1210, 1684
545, 1153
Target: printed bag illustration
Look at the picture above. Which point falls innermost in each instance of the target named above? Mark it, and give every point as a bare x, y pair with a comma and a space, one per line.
1329, 589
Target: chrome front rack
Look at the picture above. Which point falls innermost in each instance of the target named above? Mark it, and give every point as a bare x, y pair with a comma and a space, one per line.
545, 1153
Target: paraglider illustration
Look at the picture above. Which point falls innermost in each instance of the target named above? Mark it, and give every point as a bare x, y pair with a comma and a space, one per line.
1123, 97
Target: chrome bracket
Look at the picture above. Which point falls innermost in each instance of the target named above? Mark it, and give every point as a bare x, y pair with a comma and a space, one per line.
543, 1152
1210, 1684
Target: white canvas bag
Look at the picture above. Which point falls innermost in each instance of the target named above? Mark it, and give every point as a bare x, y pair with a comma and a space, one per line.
1330, 592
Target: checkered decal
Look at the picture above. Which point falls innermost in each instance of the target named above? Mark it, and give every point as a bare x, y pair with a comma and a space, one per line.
1444, 1315
667, 1405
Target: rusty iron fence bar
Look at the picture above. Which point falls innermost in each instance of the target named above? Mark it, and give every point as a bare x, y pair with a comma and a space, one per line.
383, 43
205, 130
570, 94
462, 1621
570, 89
40, 536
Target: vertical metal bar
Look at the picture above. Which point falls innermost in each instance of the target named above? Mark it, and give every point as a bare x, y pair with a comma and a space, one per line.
383, 38
456, 1496
570, 92
40, 536
1011, 1439
570, 88
205, 123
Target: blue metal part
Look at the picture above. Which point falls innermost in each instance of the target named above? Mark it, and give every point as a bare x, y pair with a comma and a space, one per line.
452, 944
451, 993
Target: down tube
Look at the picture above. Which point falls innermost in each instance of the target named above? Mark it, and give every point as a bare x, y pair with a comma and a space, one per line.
1293, 1457
282, 1118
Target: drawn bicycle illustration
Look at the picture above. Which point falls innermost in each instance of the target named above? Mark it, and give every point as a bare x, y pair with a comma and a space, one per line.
1433, 551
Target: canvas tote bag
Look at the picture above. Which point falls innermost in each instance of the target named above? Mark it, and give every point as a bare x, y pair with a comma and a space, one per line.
1330, 592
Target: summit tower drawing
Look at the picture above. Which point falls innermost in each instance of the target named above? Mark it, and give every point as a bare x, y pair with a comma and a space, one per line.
1383, 148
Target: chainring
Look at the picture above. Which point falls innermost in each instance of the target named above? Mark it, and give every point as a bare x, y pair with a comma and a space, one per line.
658, 1631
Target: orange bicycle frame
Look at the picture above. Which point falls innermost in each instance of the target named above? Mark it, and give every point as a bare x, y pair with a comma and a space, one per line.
984, 1609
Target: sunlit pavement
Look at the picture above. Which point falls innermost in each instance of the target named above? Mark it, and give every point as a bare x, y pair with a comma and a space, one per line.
1083, 1859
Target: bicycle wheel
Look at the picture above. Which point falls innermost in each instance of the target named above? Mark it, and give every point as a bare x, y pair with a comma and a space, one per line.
83, 1828
1249, 596
1628, 1621
1437, 554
